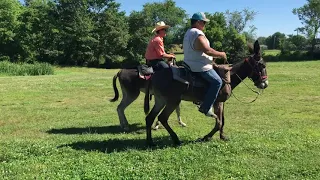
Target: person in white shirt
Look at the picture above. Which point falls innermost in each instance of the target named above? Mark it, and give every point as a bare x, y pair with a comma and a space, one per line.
198, 55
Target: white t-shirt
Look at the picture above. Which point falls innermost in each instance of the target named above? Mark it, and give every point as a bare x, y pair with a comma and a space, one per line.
197, 60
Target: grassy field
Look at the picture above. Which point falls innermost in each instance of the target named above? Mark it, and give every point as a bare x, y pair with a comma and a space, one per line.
62, 126
272, 52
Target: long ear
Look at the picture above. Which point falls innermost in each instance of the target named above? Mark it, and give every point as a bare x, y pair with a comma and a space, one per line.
256, 47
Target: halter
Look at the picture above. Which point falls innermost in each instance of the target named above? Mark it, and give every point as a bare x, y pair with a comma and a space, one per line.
250, 77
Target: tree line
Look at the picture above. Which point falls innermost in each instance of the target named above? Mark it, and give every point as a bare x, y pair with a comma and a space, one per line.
96, 33
306, 37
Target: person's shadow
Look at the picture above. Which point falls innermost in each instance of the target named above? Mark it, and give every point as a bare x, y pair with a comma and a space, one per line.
115, 129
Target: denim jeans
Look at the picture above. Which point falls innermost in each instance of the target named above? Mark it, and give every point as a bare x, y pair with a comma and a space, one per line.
157, 64
215, 84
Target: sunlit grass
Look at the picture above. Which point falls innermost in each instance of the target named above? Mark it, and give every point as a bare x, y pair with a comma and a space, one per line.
63, 127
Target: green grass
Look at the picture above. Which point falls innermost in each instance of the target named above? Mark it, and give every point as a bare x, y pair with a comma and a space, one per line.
272, 52
24, 69
63, 127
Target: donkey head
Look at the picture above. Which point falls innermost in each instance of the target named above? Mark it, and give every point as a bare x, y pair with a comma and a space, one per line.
258, 67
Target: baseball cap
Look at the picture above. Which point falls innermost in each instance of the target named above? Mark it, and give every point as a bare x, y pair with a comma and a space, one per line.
200, 16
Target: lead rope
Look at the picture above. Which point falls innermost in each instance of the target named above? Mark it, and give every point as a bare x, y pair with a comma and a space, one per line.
258, 93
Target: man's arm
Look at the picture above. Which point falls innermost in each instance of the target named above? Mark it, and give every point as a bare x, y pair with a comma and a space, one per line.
159, 47
201, 44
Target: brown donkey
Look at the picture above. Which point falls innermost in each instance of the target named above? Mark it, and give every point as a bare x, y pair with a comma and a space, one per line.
169, 92
132, 82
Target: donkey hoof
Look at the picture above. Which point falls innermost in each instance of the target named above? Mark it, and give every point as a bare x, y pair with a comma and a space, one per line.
156, 127
183, 124
224, 138
204, 139
177, 143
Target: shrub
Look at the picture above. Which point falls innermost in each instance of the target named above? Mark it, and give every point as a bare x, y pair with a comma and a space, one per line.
24, 69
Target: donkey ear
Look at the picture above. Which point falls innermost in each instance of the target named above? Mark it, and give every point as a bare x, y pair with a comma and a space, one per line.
256, 47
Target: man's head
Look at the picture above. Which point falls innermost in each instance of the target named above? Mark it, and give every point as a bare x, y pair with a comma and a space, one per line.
198, 20
161, 28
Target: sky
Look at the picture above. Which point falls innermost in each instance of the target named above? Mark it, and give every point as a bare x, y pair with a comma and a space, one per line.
272, 15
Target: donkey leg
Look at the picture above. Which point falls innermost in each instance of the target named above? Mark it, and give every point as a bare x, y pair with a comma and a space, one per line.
179, 117
157, 107
178, 112
127, 99
217, 127
163, 118
222, 136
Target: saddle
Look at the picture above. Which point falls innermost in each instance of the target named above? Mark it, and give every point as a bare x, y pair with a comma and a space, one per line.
144, 71
194, 81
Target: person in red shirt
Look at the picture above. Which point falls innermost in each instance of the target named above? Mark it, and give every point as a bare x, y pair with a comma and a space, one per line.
155, 53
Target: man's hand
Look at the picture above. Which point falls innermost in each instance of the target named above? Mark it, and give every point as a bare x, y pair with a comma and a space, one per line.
226, 68
223, 56
173, 56
169, 56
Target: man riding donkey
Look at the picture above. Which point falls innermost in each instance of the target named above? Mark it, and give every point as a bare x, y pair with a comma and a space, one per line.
155, 50
155, 55
200, 57
133, 80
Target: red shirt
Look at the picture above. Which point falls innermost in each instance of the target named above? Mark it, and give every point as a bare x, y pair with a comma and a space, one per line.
155, 49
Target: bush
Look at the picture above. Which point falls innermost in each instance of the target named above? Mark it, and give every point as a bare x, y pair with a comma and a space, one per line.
24, 69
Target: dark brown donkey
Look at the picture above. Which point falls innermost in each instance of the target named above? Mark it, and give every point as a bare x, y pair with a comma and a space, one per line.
169, 92
132, 81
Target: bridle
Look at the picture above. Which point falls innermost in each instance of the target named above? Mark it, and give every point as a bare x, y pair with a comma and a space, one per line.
255, 70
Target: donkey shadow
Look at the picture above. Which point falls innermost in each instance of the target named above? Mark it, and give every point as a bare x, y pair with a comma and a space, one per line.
119, 145
114, 129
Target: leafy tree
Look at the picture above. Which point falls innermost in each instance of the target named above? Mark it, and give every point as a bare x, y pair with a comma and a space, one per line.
235, 40
111, 30
240, 19
250, 34
298, 41
262, 40
10, 11
37, 33
76, 26
274, 41
216, 29
309, 14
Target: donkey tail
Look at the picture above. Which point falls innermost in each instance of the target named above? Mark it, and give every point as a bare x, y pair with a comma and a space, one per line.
147, 98
116, 92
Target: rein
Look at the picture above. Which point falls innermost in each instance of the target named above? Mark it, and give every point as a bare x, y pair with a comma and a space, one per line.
258, 93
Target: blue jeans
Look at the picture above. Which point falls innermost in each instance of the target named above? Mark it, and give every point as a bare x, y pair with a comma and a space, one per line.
158, 64
215, 84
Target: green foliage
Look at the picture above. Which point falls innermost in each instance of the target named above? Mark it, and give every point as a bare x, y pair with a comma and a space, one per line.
95, 33
262, 40
9, 13
225, 32
240, 19
112, 32
286, 55
274, 41
309, 14
24, 69
216, 29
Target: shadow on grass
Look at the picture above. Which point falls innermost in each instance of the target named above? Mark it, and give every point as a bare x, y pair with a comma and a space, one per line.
115, 129
119, 145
